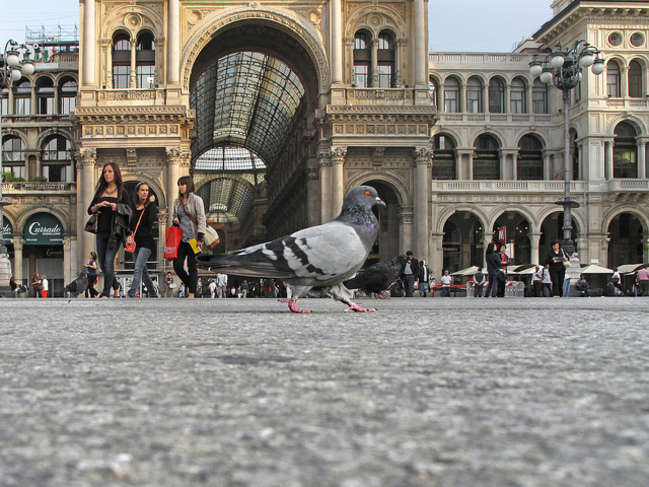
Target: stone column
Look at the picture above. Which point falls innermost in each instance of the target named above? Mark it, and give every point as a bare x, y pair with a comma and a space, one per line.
547, 165
313, 192
535, 243
177, 166
69, 267
86, 160
405, 228
19, 243
642, 159
421, 50
325, 187
107, 75
398, 56
423, 168
374, 63
609, 160
133, 72
173, 44
88, 44
336, 42
436, 261
337, 179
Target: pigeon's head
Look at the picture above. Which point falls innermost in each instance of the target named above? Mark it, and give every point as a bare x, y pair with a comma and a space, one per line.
365, 197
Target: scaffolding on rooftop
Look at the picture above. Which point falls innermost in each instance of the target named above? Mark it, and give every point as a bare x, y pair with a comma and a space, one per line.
49, 34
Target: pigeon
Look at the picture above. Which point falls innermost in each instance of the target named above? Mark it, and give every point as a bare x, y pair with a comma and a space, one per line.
320, 257
378, 277
79, 285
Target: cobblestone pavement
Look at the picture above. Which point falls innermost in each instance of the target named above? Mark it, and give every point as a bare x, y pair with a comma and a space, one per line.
452, 392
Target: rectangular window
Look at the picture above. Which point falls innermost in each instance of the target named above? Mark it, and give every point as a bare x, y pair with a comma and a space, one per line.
45, 105
613, 85
385, 76
146, 76
540, 100
17, 171
58, 173
473, 101
121, 77
361, 75
517, 104
23, 106
451, 101
67, 105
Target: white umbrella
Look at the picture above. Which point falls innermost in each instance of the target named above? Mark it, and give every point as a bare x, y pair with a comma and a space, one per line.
629, 268
595, 269
469, 271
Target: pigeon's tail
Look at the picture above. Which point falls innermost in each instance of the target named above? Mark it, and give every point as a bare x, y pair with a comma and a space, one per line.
243, 265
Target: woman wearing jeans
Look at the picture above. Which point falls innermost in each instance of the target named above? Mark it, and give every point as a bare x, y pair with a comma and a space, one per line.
189, 215
145, 214
112, 206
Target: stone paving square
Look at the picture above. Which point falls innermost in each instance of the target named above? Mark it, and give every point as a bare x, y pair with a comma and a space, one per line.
454, 392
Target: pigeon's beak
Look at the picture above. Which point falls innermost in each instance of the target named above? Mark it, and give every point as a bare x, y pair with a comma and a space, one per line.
380, 202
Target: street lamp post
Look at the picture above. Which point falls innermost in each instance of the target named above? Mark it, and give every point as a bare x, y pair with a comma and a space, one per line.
16, 63
563, 67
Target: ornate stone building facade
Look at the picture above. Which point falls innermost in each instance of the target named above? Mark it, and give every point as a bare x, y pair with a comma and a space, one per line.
277, 110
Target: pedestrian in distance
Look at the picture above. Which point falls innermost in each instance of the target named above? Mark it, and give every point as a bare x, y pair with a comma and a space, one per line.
145, 215
554, 262
447, 281
36, 285
409, 275
112, 206
91, 268
480, 282
189, 214
494, 262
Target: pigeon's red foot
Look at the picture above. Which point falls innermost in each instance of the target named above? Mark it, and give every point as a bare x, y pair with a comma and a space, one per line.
383, 297
359, 309
295, 309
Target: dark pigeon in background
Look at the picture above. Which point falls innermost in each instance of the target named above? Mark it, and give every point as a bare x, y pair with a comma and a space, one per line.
79, 285
319, 257
378, 277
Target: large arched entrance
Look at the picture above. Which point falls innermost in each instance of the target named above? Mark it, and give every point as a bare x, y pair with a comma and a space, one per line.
253, 87
552, 229
515, 229
463, 242
626, 235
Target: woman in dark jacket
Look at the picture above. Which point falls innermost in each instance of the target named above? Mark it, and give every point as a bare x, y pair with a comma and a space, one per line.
554, 260
145, 211
494, 262
112, 206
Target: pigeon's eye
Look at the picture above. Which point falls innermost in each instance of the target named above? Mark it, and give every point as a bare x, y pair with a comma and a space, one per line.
367, 193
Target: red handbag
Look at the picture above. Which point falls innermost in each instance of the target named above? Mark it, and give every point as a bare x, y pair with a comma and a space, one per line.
173, 235
130, 247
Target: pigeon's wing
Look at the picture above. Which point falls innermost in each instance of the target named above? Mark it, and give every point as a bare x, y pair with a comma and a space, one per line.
312, 256
73, 287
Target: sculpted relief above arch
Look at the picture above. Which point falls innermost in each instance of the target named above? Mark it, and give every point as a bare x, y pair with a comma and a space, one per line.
132, 18
208, 25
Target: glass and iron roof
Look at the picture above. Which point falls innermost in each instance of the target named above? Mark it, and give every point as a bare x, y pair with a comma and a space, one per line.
246, 99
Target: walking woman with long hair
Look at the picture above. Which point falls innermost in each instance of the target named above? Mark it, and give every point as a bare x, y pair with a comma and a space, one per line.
189, 215
145, 214
113, 208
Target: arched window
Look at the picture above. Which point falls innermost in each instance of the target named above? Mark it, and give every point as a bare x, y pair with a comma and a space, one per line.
625, 152
613, 79
45, 95
474, 95
529, 164
67, 96
57, 157
13, 156
444, 157
121, 61
23, 97
145, 60
362, 59
517, 96
635, 80
496, 96
386, 60
540, 96
486, 160
451, 95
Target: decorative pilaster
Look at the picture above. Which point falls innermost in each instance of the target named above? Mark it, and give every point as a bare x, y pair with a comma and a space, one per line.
88, 44
86, 160
173, 35
535, 244
18, 243
405, 216
336, 42
337, 156
325, 186
423, 166
178, 163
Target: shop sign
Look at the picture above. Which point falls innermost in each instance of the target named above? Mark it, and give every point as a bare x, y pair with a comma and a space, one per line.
43, 229
7, 229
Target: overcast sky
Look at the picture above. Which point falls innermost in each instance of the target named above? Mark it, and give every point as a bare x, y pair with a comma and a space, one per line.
460, 25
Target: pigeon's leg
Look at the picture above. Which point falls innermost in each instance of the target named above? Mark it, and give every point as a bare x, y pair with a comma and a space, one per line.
299, 291
342, 294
